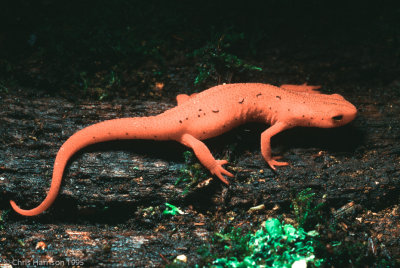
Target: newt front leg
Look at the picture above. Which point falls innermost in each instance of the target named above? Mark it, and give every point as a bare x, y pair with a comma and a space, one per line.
266, 144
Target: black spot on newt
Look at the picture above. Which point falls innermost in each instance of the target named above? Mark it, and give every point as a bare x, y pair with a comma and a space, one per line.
180, 121
259, 94
278, 97
215, 111
126, 133
241, 101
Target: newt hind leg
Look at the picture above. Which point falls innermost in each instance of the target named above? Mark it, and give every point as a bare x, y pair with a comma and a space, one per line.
205, 157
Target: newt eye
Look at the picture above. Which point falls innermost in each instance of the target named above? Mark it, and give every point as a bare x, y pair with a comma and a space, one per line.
337, 118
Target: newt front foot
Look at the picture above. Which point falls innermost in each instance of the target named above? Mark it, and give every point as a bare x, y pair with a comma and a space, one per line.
219, 171
272, 162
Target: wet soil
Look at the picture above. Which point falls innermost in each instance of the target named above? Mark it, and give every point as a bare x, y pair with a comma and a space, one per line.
113, 194
109, 209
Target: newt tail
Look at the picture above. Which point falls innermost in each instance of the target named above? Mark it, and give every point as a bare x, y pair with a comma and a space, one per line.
116, 129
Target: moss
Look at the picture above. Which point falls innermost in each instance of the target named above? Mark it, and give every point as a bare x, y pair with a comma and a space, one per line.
306, 213
274, 245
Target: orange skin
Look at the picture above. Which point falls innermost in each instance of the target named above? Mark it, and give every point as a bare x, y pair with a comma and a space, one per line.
209, 114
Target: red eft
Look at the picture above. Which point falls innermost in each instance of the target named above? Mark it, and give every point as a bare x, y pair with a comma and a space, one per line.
208, 114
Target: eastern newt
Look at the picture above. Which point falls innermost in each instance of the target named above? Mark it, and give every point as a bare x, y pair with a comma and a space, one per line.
208, 114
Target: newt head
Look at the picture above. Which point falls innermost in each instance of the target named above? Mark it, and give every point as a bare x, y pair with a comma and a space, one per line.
323, 111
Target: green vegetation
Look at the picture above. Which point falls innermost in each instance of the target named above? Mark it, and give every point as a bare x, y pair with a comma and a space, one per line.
192, 172
214, 61
305, 212
171, 210
235, 243
101, 85
274, 245
277, 244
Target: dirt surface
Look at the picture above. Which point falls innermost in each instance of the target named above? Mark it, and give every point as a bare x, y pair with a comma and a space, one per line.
102, 211
110, 207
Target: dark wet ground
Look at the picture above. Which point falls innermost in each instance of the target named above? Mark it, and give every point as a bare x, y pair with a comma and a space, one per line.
109, 210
